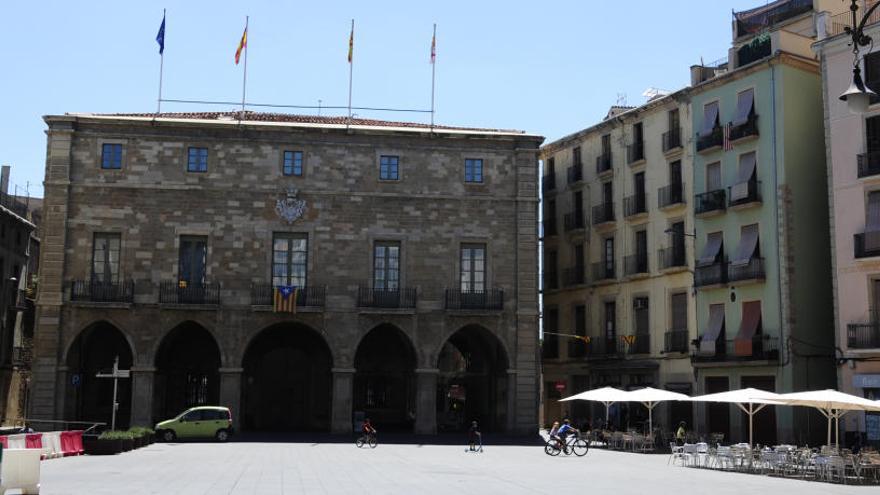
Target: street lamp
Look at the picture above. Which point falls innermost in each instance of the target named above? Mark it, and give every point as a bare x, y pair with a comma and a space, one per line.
675, 232
858, 96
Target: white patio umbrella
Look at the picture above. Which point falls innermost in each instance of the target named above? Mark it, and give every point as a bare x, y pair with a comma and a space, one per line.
832, 404
750, 400
650, 397
605, 395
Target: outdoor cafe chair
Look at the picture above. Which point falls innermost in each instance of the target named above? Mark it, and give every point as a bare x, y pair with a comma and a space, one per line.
676, 452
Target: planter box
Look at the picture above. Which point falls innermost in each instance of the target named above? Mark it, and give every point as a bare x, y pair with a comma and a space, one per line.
93, 446
127, 444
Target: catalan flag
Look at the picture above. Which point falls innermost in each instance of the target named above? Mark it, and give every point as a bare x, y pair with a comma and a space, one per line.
285, 299
351, 43
242, 45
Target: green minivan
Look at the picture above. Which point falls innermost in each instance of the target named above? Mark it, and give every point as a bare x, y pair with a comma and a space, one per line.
197, 422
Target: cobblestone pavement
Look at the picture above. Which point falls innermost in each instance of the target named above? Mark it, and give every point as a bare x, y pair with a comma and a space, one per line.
248, 467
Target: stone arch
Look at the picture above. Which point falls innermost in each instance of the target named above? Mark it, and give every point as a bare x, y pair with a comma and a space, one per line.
472, 381
150, 359
94, 350
384, 383
71, 339
187, 363
286, 380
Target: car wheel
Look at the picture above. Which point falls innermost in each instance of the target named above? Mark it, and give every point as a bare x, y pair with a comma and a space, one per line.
168, 436
222, 435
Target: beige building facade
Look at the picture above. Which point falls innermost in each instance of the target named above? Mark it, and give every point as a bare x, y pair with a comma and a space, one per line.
617, 251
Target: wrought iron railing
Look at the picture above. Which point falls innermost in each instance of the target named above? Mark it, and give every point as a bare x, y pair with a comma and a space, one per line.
575, 173
95, 291
708, 141
863, 335
635, 152
746, 129
263, 294
672, 139
549, 227
763, 347
710, 201
866, 245
676, 341
492, 299
180, 292
635, 264
603, 163
577, 348
761, 18
635, 205
753, 193
673, 194
603, 271
573, 220
549, 182
753, 270
671, 257
641, 344
604, 347
576, 275
869, 163
369, 297
603, 213
714, 274
841, 21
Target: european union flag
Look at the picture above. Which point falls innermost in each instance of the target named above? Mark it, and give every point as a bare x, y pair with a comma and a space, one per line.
160, 38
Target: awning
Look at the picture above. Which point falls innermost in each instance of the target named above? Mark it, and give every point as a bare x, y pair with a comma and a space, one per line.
716, 323
710, 117
747, 244
751, 318
711, 249
745, 101
747, 163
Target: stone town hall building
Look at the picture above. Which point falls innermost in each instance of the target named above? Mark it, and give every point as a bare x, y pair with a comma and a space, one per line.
413, 249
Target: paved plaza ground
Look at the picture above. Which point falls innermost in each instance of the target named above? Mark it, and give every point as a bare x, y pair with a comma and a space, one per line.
249, 467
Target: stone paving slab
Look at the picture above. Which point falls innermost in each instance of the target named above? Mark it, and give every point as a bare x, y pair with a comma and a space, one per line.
307, 468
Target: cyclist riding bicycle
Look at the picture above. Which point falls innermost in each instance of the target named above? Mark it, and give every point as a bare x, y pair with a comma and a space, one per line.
554, 433
367, 429
565, 430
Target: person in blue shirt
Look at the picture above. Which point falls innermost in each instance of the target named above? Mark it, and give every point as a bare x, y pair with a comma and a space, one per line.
565, 430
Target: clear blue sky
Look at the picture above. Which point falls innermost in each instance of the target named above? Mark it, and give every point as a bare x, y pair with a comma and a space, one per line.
550, 67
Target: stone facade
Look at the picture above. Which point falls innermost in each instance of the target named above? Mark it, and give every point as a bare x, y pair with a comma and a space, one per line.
422, 366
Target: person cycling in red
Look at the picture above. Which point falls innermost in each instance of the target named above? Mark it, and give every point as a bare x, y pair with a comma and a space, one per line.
368, 429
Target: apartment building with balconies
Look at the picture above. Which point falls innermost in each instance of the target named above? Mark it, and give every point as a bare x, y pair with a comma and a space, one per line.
762, 271
853, 156
617, 275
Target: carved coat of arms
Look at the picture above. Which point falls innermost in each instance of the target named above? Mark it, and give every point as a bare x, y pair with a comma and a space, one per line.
290, 208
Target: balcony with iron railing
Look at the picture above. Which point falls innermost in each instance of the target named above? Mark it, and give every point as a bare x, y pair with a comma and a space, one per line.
551, 280
573, 220
402, 298
486, 300
575, 173
710, 202
763, 348
576, 275
671, 140
263, 294
634, 205
869, 163
751, 196
603, 213
676, 341
603, 271
641, 344
548, 182
189, 293
635, 264
866, 245
550, 347
577, 348
753, 270
603, 163
744, 130
711, 141
840, 22
671, 195
863, 335
635, 152
604, 347
102, 292
760, 19
711, 274
549, 227
671, 257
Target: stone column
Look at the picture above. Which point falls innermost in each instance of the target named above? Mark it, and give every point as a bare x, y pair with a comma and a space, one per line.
142, 395
230, 393
343, 390
426, 401
511, 401
61, 382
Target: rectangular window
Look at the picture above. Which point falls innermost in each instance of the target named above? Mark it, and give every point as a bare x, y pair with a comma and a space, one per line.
638, 133
293, 163
710, 118
674, 121
473, 170
111, 156
608, 257
610, 322
105, 258
640, 308
473, 267
551, 167
713, 177
289, 259
679, 312
872, 73
550, 347
197, 160
606, 145
386, 265
193, 260
576, 155
388, 167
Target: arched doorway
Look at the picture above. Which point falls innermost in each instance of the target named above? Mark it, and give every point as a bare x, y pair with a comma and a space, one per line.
473, 381
287, 380
91, 398
384, 384
187, 371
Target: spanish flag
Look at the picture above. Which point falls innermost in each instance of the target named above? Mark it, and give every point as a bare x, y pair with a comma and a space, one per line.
242, 45
285, 299
351, 43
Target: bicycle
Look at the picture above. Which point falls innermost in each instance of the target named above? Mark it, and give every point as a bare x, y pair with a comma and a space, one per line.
366, 439
573, 445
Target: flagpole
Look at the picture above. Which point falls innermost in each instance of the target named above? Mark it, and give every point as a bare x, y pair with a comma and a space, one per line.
161, 65
350, 72
433, 71
244, 77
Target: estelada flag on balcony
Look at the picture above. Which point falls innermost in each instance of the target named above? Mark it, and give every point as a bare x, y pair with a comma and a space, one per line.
285, 299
